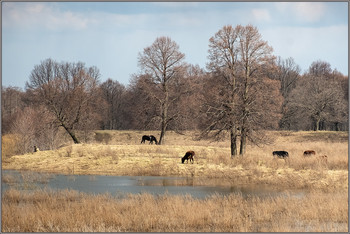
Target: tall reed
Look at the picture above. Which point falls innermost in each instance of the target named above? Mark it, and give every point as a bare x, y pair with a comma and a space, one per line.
70, 211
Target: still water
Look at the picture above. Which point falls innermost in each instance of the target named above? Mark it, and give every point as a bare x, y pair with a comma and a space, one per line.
119, 185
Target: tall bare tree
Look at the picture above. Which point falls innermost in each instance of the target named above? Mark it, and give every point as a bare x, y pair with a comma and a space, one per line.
164, 63
66, 89
223, 56
254, 53
237, 59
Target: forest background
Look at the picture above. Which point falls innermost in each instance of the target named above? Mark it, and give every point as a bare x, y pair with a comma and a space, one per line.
243, 89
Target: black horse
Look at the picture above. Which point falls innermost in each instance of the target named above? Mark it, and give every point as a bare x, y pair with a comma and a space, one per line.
150, 138
280, 154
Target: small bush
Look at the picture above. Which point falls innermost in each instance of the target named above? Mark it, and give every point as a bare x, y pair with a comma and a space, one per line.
103, 137
69, 151
9, 145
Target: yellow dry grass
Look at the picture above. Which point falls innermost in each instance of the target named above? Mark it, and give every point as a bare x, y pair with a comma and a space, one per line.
122, 154
324, 208
70, 211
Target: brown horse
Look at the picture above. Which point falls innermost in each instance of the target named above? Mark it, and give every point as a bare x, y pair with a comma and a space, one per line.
309, 152
188, 156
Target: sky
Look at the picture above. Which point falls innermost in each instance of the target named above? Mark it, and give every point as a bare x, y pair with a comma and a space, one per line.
110, 35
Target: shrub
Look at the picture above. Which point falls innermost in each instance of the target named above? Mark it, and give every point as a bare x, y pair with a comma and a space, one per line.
9, 145
103, 137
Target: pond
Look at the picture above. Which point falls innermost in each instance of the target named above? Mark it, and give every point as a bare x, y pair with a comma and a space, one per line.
121, 185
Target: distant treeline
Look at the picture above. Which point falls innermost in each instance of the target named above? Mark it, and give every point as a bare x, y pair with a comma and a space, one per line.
264, 92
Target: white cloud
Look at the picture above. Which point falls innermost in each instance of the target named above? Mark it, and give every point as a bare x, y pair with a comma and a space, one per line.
261, 14
308, 12
38, 15
36, 8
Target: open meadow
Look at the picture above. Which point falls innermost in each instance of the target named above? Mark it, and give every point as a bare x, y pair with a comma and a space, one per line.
120, 153
323, 208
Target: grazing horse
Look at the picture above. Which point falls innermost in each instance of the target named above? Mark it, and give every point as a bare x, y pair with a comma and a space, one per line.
309, 152
188, 156
150, 138
280, 154
153, 138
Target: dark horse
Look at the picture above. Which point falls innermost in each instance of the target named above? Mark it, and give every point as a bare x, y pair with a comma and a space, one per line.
188, 156
309, 152
280, 154
150, 138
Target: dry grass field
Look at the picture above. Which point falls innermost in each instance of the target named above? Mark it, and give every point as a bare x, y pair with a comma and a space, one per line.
120, 153
70, 211
324, 208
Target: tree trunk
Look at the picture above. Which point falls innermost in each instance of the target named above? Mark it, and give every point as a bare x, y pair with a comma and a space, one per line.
164, 114
242, 148
162, 134
72, 134
163, 125
245, 113
318, 121
337, 128
233, 141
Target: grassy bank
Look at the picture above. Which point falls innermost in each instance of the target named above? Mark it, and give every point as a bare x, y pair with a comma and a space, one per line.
120, 153
70, 211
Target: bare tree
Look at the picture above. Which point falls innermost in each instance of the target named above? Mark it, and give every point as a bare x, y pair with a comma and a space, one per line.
341, 120
66, 89
318, 97
238, 57
24, 126
223, 56
11, 103
254, 53
191, 99
113, 92
36, 126
320, 68
143, 106
164, 62
287, 73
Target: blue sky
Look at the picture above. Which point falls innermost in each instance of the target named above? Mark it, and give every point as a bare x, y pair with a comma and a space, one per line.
109, 35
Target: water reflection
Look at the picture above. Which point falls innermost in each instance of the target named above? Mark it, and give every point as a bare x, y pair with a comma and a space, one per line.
97, 184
